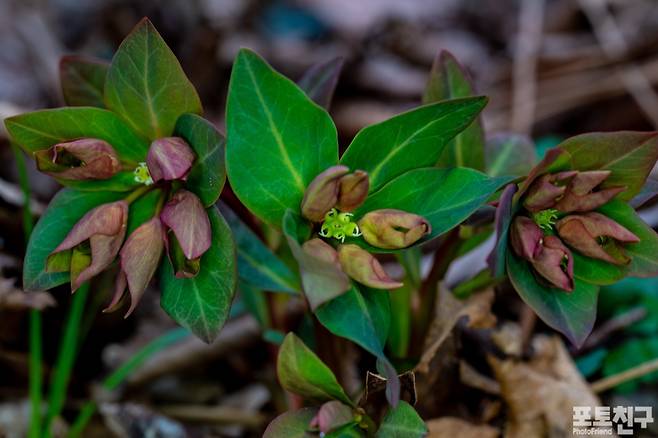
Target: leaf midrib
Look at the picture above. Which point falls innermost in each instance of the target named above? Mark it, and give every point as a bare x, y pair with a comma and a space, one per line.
299, 182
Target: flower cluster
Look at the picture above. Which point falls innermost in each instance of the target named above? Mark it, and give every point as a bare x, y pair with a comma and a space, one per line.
559, 216
180, 225
329, 200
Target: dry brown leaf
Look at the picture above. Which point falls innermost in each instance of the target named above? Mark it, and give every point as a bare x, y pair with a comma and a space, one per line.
15, 299
540, 393
450, 427
471, 377
448, 311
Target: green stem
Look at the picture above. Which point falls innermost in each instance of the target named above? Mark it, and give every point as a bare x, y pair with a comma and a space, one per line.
137, 193
119, 376
66, 358
36, 343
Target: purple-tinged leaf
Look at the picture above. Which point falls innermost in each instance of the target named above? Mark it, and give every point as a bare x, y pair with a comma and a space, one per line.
322, 279
293, 424
629, 156
104, 228
550, 261
83, 80
572, 314
585, 233
363, 267
83, 159
140, 257
525, 237
393, 229
353, 190
319, 81
331, 416
322, 193
644, 257
185, 216
169, 159
504, 214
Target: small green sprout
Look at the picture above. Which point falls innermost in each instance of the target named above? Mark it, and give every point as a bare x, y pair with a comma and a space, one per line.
142, 174
545, 219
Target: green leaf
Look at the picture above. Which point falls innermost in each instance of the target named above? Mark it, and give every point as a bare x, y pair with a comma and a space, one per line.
146, 84
142, 210
628, 355
292, 424
208, 174
504, 214
445, 197
278, 139
202, 303
63, 212
322, 281
402, 422
42, 129
319, 81
596, 271
119, 182
257, 264
629, 155
591, 362
255, 302
509, 154
409, 140
363, 316
644, 256
300, 371
572, 314
83, 80
449, 80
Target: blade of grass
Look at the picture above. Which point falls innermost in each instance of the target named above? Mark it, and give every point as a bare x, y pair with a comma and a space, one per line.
66, 358
115, 379
35, 345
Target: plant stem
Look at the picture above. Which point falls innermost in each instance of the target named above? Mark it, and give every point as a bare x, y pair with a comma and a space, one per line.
625, 376
35, 385
120, 375
66, 358
137, 193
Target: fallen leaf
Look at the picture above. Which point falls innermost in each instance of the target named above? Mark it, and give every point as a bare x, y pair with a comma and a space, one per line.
540, 393
449, 310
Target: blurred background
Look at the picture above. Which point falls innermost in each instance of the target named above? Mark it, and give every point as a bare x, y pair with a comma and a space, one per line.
552, 68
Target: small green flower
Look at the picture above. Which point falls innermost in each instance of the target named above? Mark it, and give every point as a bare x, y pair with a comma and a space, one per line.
545, 219
339, 225
142, 174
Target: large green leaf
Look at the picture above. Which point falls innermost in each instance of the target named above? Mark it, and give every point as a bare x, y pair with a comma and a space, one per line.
202, 303
41, 129
572, 314
644, 254
321, 280
504, 213
146, 84
319, 81
402, 422
509, 154
449, 80
445, 197
409, 140
302, 372
596, 271
257, 264
292, 425
63, 212
363, 317
83, 80
629, 155
278, 140
208, 174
